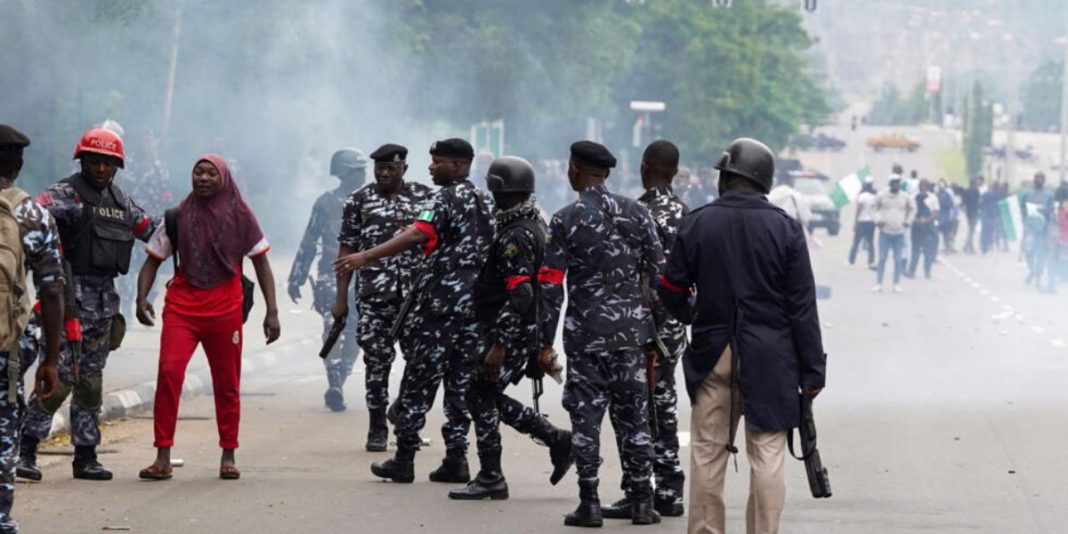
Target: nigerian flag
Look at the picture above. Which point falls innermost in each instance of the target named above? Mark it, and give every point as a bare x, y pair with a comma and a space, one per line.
1010, 218
847, 189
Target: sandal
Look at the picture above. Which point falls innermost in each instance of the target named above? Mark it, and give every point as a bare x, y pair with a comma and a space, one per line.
154, 472
229, 472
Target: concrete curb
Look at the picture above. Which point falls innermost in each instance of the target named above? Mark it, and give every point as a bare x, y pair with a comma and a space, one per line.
139, 398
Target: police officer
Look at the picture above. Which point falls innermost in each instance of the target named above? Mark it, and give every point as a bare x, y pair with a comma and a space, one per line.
660, 163
372, 215
37, 247
97, 227
506, 306
454, 230
605, 243
756, 335
349, 166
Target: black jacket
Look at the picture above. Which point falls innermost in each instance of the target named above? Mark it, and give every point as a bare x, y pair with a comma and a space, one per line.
748, 263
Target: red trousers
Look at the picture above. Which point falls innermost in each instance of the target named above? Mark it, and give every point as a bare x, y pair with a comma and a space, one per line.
221, 338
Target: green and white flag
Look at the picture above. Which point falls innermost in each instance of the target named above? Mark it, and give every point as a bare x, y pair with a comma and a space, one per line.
847, 189
1011, 218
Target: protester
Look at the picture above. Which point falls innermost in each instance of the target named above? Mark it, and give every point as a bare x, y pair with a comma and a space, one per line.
948, 216
893, 211
214, 230
864, 223
970, 200
1037, 209
924, 230
756, 341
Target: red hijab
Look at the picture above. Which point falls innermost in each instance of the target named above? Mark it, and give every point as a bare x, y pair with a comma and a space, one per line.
215, 233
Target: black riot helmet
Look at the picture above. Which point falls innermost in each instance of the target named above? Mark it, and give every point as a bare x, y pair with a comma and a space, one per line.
751, 160
346, 161
510, 174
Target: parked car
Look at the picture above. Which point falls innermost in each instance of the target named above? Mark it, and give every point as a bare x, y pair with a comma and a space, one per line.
893, 141
824, 212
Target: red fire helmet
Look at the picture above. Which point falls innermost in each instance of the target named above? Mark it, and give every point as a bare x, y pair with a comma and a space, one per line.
101, 141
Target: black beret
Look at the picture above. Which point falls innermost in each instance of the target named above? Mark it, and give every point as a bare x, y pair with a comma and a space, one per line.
453, 148
12, 140
388, 153
592, 154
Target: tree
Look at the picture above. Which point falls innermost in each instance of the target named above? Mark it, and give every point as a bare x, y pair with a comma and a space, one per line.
978, 130
894, 110
1041, 97
724, 73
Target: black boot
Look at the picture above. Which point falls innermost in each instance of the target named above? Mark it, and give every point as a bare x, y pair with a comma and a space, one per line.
620, 509
453, 468
85, 465
489, 484
588, 513
378, 433
559, 442
642, 513
400, 468
27, 466
669, 508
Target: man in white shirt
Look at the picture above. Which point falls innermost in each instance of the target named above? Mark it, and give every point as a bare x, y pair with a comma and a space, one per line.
864, 223
893, 211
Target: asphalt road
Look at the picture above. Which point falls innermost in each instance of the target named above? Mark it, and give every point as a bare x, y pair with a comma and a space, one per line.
943, 413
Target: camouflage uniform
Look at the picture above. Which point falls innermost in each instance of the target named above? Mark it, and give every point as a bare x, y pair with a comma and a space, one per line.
505, 307
442, 328
607, 323
95, 302
40, 241
370, 219
667, 211
321, 237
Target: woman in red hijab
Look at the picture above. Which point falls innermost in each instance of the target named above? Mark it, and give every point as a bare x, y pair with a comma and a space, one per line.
216, 230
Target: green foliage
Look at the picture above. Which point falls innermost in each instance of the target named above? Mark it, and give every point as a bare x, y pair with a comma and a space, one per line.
978, 130
1041, 97
724, 73
891, 108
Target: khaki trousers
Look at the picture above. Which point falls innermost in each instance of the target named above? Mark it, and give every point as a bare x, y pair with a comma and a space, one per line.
709, 434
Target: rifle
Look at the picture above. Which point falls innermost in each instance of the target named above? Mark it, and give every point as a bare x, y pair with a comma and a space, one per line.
655, 351
819, 483
72, 324
332, 337
409, 302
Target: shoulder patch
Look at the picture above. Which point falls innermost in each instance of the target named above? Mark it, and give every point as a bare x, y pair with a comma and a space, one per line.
426, 215
511, 250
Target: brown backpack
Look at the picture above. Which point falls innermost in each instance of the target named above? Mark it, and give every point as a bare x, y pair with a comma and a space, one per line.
15, 304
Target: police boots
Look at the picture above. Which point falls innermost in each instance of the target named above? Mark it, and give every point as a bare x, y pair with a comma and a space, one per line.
489, 484
642, 512
400, 468
378, 433
453, 468
559, 442
27, 466
620, 509
85, 465
588, 513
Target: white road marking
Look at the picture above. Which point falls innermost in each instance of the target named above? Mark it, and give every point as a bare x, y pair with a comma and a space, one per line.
1057, 343
1037, 329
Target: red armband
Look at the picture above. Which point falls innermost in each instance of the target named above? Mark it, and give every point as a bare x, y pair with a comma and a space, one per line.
674, 288
515, 281
550, 276
431, 234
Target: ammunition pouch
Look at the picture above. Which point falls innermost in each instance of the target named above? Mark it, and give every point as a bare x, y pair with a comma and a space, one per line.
89, 392
117, 332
